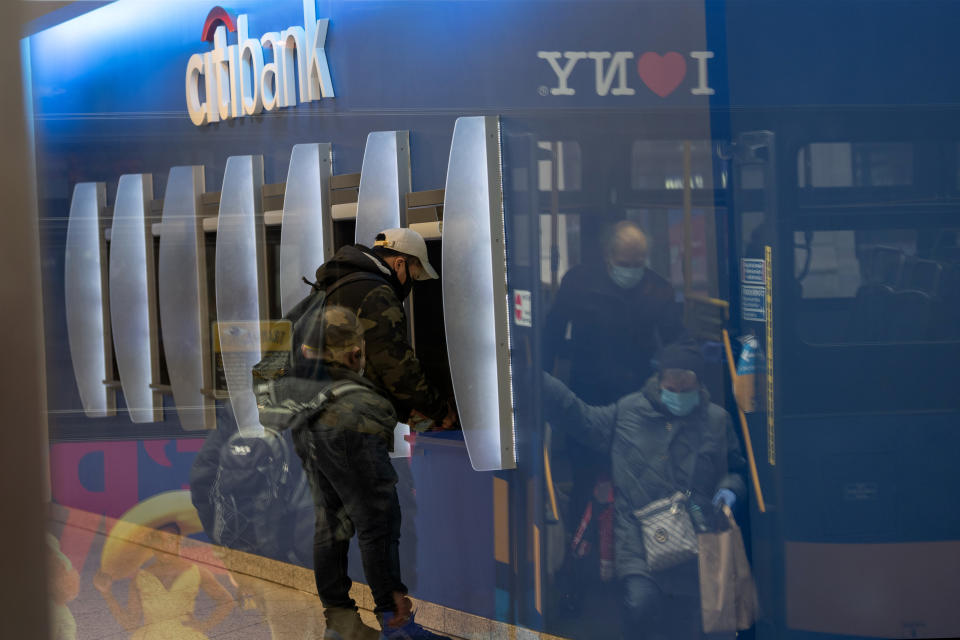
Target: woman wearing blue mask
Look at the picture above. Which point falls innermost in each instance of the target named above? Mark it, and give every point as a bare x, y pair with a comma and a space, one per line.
664, 440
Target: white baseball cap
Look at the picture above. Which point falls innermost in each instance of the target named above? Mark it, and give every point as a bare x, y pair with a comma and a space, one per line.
407, 242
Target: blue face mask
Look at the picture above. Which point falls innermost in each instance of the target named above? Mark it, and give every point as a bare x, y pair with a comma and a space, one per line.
626, 277
680, 403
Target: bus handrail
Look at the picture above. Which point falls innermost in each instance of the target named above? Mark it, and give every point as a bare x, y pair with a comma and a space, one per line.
743, 426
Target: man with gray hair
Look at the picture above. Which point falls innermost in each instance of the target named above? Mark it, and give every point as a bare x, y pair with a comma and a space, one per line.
617, 314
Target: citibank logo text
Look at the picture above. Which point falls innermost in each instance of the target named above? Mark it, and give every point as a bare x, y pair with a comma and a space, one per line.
237, 82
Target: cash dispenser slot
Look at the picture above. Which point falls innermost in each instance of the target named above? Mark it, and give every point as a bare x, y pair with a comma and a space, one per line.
272, 196
209, 207
344, 192
111, 381
161, 383
425, 213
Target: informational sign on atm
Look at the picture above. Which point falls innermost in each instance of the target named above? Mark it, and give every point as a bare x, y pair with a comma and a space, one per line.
522, 308
753, 289
237, 344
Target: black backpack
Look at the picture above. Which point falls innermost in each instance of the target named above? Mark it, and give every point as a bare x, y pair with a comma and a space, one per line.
273, 385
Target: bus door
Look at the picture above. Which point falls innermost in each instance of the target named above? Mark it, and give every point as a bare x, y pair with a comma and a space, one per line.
856, 319
753, 247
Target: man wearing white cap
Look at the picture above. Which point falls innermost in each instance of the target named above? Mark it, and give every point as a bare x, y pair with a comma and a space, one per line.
398, 257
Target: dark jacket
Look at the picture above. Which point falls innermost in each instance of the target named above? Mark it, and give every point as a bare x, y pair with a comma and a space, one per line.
391, 363
366, 411
614, 331
653, 454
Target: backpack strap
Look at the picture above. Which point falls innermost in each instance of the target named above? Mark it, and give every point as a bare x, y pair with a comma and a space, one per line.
331, 392
355, 277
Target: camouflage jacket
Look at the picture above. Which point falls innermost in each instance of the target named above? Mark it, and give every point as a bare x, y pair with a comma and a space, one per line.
391, 363
366, 411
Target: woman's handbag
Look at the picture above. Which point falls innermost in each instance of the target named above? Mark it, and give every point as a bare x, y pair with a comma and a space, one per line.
728, 596
668, 535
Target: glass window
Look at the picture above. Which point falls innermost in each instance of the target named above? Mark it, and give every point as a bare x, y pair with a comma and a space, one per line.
884, 285
855, 164
658, 164
568, 165
664, 229
568, 246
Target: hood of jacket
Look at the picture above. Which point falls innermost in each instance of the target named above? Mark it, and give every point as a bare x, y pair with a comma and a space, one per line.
352, 259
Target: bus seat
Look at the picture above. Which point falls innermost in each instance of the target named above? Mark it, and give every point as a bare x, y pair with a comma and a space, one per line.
881, 265
946, 311
920, 275
867, 320
909, 315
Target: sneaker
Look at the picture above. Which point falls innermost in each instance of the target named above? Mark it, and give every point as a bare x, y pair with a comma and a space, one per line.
345, 624
408, 630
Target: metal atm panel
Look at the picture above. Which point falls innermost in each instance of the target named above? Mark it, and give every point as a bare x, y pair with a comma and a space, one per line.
132, 298
306, 236
241, 299
475, 293
88, 316
384, 184
182, 281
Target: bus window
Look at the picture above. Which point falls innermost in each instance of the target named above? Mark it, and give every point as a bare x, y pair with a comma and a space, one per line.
855, 164
878, 285
569, 169
568, 245
658, 164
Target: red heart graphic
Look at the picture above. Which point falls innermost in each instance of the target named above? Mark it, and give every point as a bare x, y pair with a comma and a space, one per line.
663, 74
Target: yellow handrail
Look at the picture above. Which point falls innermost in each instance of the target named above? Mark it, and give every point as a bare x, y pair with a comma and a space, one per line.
743, 425
548, 477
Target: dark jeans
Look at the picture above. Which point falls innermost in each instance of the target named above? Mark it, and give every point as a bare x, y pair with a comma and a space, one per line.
354, 489
651, 614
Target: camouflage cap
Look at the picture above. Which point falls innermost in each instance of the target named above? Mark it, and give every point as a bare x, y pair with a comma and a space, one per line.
335, 327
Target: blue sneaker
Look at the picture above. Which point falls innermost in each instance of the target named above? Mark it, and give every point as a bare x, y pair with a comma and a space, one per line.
410, 630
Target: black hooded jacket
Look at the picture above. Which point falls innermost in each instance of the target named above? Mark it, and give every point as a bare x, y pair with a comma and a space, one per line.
391, 363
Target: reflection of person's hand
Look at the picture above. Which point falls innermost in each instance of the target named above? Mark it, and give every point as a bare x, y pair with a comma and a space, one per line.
451, 418
418, 422
102, 582
724, 496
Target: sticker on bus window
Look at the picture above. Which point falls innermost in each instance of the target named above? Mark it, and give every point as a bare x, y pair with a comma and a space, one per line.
752, 271
522, 308
753, 303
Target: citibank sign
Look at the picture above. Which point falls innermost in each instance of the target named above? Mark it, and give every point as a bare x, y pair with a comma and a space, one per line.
236, 81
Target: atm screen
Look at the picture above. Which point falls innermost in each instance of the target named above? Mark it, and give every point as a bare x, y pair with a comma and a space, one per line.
344, 232
272, 236
430, 340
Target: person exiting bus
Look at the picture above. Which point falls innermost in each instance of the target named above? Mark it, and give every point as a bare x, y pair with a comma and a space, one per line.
664, 439
345, 451
607, 321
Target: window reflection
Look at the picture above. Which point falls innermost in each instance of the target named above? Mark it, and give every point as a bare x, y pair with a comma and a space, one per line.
855, 164
569, 169
658, 164
883, 285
